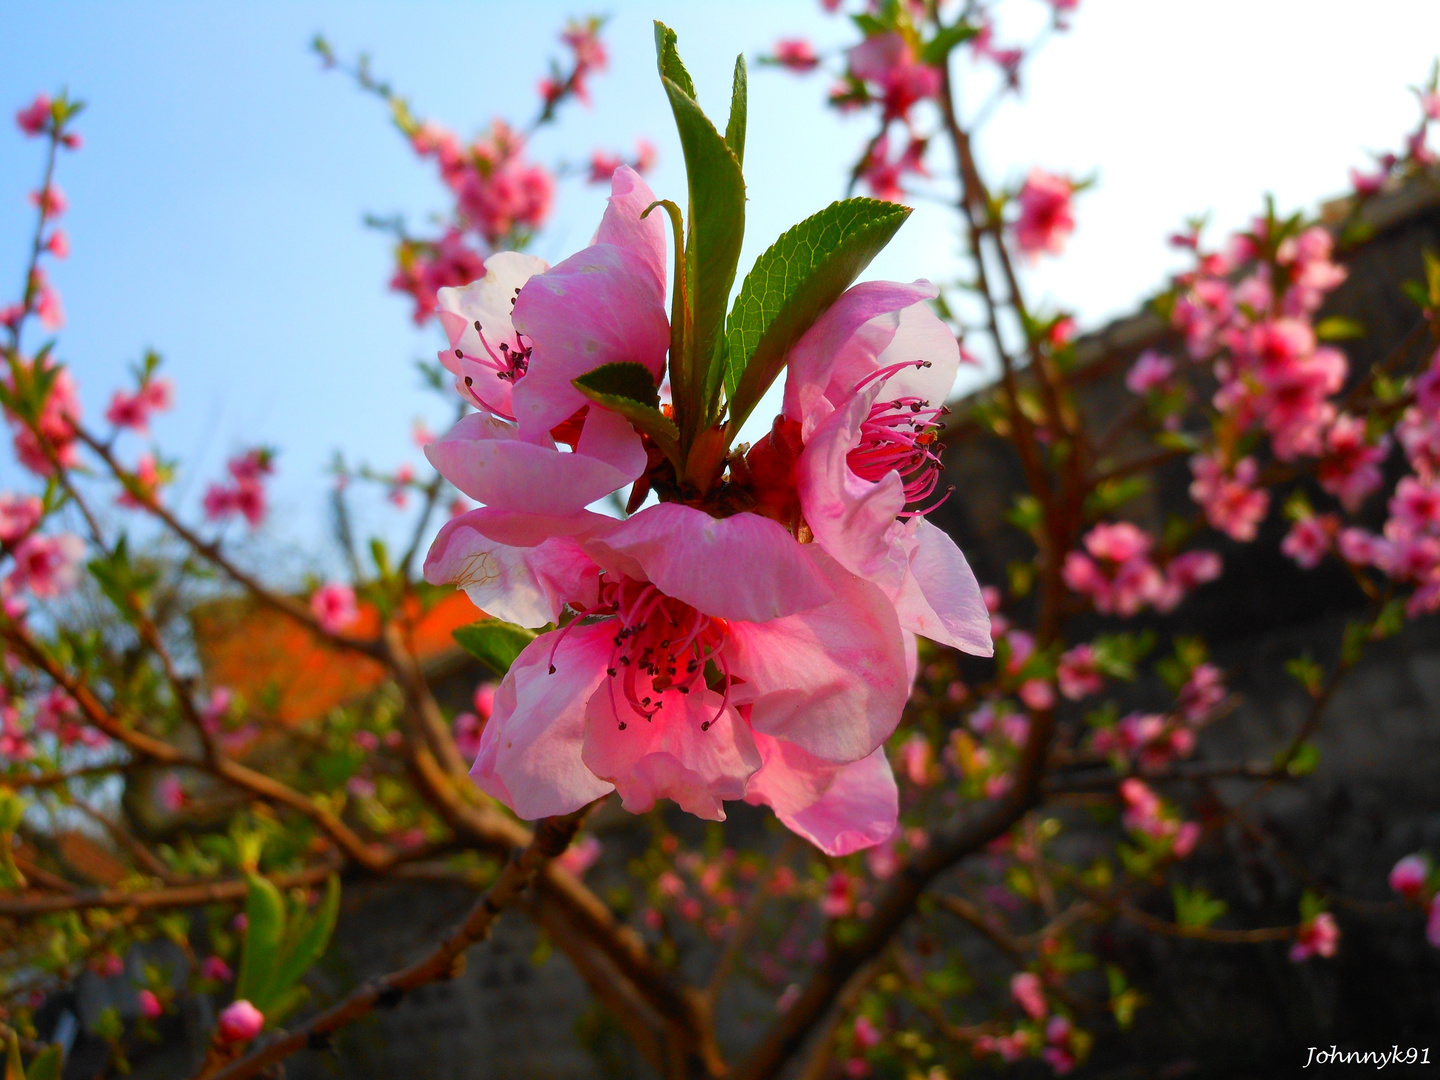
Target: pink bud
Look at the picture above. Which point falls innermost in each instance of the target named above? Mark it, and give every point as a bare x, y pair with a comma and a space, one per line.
216, 970
150, 1007
1025, 988
240, 1022
1408, 877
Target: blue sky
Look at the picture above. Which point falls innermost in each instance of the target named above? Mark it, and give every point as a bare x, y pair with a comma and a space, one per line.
216, 207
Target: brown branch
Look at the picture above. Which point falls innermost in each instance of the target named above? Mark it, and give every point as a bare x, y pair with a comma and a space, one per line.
179, 896
552, 836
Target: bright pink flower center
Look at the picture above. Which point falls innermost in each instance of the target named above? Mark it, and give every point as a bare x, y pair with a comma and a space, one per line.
901, 435
509, 361
660, 644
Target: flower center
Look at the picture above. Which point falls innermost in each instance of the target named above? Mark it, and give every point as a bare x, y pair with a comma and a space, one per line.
902, 435
659, 644
508, 361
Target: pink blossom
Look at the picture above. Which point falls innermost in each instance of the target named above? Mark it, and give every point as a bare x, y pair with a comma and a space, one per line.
1037, 694
915, 757
888, 61
150, 1007
14, 741
1201, 693
797, 54
580, 856
334, 607
35, 117
1047, 213
19, 514
466, 729
48, 566
55, 425
240, 1022
1149, 371
399, 492
1318, 937
883, 174
216, 970
148, 477
50, 201
1029, 994
867, 1035
1365, 183
133, 410
1231, 501
838, 899
1310, 539
47, 303
171, 793
58, 244
862, 394
1409, 875
797, 725
1078, 673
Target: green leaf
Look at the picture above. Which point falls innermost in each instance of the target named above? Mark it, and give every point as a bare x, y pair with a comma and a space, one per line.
1304, 761
1196, 908
14, 1069
310, 940
260, 955
496, 643
735, 129
46, 1065
937, 49
286, 1002
712, 238
629, 390
1338, 328
792, 284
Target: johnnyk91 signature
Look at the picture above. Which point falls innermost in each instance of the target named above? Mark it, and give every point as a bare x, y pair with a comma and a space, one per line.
1379, 1058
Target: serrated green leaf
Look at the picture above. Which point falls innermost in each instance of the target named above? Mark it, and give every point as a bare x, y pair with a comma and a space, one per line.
264, 930
47, 1064
310, 941
629, 389
713, 236
1338, 328
937, 49
792, 284
495, 643
739, 107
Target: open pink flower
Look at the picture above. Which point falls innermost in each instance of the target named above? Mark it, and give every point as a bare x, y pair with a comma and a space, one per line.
1047, 213
675, 681
1318, 937
19, 514
523, 332
47, 565
889, 62
35, 117
797, 54
864, 391
333, 605
1029, 994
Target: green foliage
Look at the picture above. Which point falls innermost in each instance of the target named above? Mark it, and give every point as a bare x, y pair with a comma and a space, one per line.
12, 810
1338, 328
1304, 761
280, 949
791, 285
713, 236
495, 643
1195, 908
937, 49
1311, 904
629, 389
126, 585
1116, 655
1110, 495
1124, 999
1304, 670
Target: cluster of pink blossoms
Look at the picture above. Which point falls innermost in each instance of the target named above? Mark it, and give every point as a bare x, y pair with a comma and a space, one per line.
41, 298
244, 494
1118, 575
703, 655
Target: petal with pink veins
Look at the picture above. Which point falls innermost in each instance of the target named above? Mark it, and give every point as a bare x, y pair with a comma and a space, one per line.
671, 756
485, 458
831, 679
531, 749
741, 567
523, 568
839, 808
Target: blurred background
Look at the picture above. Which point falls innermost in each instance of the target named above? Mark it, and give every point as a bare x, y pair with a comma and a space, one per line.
216, 211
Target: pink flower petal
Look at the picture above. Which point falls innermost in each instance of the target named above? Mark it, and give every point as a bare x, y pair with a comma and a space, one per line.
530, 751
743, 567
485, 458
671, 756
623, 226
523, 568
838, 808
831, 679
940, 598
847, 338
488, 302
